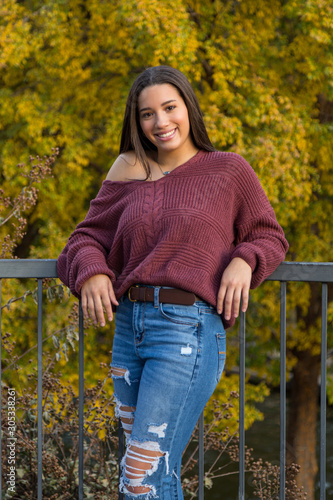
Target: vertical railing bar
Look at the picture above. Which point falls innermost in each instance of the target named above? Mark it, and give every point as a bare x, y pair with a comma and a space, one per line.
241, 492
120, 454
81, 399
283, 387
0, 398
201, 457
324, 300
40, 389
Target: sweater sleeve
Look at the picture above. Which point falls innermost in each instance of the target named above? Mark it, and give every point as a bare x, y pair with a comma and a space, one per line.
260, 240
86, 251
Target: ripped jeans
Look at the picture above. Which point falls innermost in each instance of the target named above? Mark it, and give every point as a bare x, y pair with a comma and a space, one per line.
167, 360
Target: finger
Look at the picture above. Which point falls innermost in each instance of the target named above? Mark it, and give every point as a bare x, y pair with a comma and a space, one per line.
106, 299
84, 306
236, 302
91, 308
220, 299
228, 301
245, 299
99, 310
112, 295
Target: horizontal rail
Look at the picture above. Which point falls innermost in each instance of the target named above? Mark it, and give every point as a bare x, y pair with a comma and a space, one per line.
303, 271
28, 268
287, 271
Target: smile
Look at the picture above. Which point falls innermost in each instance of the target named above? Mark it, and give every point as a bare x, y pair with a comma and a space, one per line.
166, 135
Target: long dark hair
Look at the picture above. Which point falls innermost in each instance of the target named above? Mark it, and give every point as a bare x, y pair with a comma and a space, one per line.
132, 137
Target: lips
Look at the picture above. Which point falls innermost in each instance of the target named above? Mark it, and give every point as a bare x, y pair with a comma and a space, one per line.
166, 135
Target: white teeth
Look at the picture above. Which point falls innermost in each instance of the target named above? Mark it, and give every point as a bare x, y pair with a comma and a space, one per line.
167, 134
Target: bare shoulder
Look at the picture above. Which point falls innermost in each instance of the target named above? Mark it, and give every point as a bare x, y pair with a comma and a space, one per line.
125, 167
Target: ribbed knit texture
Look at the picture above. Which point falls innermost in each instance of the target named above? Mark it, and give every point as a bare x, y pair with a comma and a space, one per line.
181, 230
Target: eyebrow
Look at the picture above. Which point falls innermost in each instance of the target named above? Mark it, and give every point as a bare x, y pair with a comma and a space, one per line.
163, 104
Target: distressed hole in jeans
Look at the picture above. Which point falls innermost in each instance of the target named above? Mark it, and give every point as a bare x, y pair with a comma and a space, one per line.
158, 429
141, 460
186, 351
126, 414
117, 372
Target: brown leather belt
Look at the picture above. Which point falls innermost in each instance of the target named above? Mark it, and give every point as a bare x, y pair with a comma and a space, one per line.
166, 295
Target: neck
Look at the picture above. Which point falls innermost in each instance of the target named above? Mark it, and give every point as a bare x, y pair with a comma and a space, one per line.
171, 160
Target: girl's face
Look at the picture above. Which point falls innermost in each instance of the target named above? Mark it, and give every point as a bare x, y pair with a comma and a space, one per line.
164, 119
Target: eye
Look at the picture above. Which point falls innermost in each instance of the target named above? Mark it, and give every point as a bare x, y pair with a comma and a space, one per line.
171, 107
146, 115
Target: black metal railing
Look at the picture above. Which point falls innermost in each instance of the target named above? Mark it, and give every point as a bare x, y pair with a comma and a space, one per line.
286, 272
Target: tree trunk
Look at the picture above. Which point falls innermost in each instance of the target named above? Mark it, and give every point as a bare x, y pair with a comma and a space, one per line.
302, 421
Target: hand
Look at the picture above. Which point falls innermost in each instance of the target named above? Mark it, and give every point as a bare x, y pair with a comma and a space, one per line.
235, 283
97, 292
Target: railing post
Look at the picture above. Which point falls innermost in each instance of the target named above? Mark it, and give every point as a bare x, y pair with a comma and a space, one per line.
120, 454
283, 388
201, 457
40, 390
81, 399
241, 492
324, 300
0, 398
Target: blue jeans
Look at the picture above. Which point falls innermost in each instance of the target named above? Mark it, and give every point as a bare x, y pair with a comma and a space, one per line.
167, 360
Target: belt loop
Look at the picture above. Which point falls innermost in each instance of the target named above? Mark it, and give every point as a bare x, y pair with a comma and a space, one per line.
156, 296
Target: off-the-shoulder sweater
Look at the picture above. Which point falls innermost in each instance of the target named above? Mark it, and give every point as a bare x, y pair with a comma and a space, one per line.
181, 230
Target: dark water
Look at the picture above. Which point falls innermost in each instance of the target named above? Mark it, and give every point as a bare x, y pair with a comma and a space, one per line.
264, 438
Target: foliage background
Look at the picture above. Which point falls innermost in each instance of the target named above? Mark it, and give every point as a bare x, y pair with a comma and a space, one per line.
263, 73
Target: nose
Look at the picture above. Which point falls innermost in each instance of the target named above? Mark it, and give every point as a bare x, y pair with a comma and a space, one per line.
161, 120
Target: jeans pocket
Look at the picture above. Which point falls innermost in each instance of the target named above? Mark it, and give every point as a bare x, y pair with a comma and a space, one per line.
181, 315
221, 347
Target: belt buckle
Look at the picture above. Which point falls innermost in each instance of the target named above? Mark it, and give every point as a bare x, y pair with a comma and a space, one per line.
129, 293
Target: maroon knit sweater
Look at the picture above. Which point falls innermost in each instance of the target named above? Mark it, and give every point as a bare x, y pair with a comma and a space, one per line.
181, 230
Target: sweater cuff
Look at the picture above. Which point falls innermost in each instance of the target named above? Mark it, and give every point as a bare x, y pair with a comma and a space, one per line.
88, 262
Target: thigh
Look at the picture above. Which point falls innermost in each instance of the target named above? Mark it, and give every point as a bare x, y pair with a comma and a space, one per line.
208, 371
126, 366
184, 351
